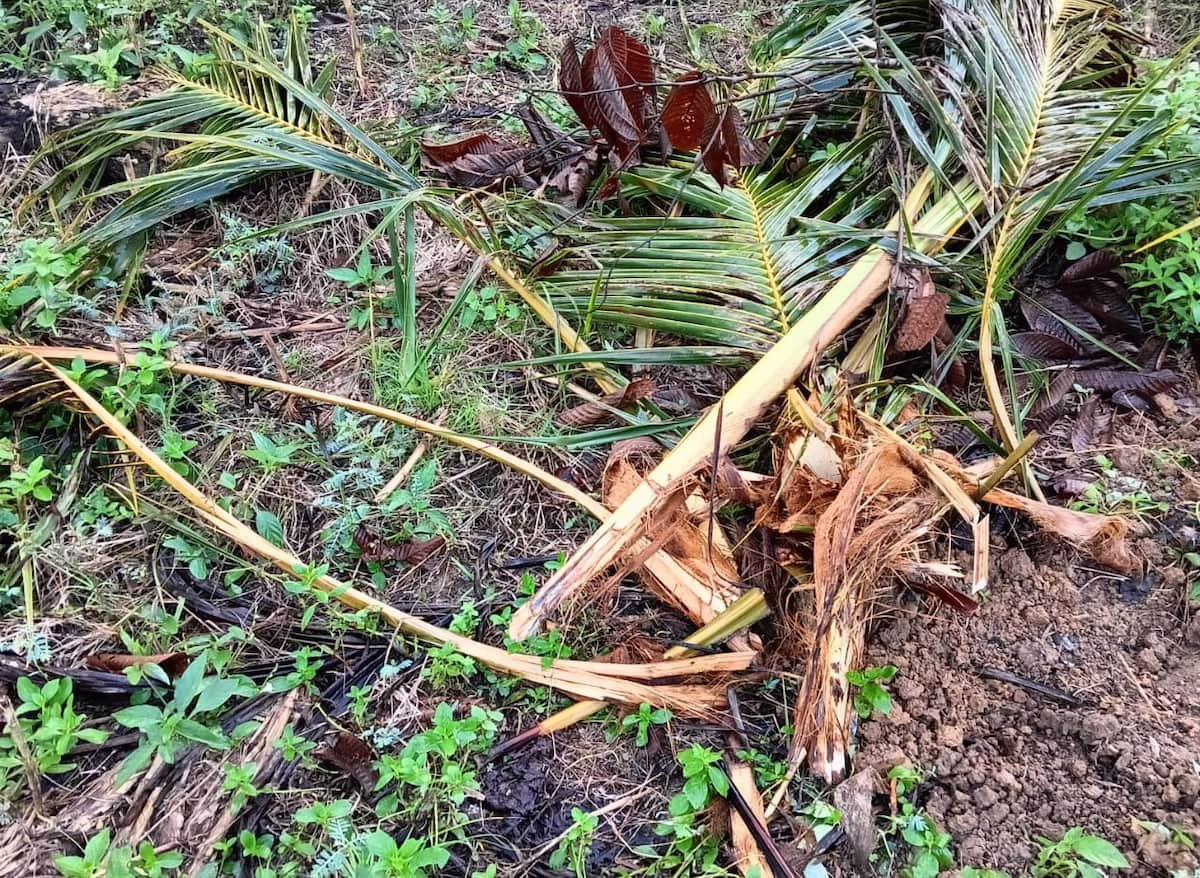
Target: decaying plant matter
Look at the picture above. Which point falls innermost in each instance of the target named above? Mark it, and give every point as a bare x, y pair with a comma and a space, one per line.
964, 134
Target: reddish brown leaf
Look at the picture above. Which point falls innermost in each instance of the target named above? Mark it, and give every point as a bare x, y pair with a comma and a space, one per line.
1093, 264
1142, 383
480, 161
352, 755
474, 144
956, 375
924, 308
947, 594
591, 413
1091, 426
1073, 318
689, 114
619, 72
570, 83
1052, 404
172, 663
1043, 346
1132, 402
740, 150
1107, 299
374, 548
713, 159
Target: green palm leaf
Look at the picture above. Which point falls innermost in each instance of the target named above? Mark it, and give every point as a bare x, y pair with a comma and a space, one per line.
253, 113
741, 273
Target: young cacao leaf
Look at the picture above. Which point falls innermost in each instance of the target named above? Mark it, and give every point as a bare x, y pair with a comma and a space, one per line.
619, 72
1099, 262
1141, 383
689, 115
570, 84
740, 150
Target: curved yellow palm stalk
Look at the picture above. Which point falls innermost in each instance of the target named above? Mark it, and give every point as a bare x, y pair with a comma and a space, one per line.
672, 580
626, 683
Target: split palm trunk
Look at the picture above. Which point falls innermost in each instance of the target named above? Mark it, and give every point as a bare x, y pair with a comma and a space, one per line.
724, 425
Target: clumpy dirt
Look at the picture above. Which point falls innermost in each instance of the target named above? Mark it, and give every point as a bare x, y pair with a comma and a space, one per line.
1010, 765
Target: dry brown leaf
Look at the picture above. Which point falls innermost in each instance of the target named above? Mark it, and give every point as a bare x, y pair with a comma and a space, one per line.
1090, 427
352, 755
924, 308
1043, 346
414, 551
1142, 383
589, 414
172, 663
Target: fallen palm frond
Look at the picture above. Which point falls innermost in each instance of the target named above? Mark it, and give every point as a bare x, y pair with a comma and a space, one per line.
724, 425
599, 681
701, 598
254, 115
1049, 141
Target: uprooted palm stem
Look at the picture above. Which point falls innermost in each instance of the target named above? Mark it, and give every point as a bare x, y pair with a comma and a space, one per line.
669, 579
623, 683
724, 425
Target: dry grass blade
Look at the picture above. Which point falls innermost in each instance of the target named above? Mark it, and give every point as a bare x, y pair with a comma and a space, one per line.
591, 680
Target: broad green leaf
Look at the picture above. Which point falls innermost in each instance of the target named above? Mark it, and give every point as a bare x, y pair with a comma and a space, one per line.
187, 687
134, 762
139, 716
202, 734
216, 692
1099, 851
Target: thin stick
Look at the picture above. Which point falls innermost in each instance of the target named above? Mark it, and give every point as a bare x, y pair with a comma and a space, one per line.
409, 465
1014, 457
589, 680
355, 47
694, 597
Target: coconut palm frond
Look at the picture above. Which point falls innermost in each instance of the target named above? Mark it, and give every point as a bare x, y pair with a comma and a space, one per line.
1038, 112
254, 112
818, 52
740, 271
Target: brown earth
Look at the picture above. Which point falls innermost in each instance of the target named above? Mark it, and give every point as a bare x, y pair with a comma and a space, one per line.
1010, 765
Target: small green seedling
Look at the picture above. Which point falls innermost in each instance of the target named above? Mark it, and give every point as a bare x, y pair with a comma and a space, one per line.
641, 722
703, 777
269, 454
363, 275
48, 726
185, 719
575, 847
1077, 854
871, 696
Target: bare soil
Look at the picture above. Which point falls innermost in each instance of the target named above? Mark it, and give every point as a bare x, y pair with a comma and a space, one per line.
1011, 765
